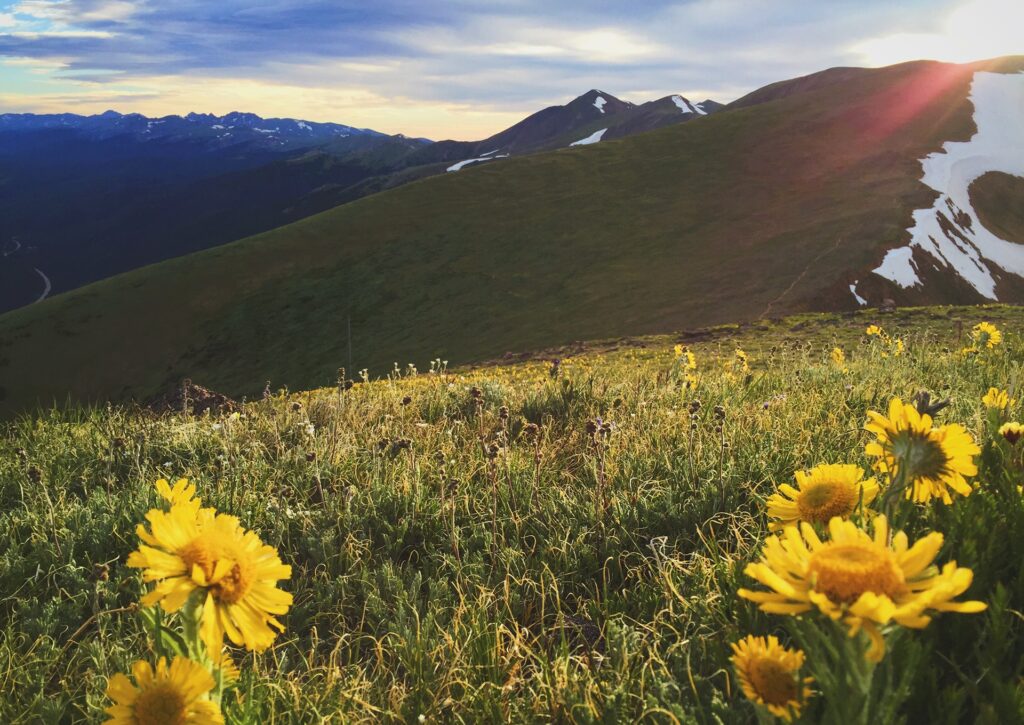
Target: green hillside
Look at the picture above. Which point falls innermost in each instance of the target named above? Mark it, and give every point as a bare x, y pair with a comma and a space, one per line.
509, 544
756, 211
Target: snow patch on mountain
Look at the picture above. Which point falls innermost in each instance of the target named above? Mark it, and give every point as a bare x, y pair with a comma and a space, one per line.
592, 138
599, 103
950, 230
898, 266
462, 164
853, 289
681, 102
699, 109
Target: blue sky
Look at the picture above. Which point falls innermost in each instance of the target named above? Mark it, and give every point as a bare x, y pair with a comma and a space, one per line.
455, 69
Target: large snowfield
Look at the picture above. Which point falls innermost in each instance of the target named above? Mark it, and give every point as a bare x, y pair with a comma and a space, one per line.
966, 246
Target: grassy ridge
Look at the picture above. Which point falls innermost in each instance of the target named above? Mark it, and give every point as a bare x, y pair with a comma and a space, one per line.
409, 602
756, 211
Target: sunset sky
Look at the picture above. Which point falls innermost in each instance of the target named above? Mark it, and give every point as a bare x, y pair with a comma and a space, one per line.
455, 69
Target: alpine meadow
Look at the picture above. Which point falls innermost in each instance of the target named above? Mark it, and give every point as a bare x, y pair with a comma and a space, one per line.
426, 388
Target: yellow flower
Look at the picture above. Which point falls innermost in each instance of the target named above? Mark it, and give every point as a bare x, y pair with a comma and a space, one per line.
742, 361
1012, 432
986, 335
823, 492
897, 347
183, 492
187, 550
839, 358
932, 460
769, 675
175, 695
862, 581
686, 357
998, 399
873, 330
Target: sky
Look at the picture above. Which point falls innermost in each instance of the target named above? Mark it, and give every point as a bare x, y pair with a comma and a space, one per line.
454, 68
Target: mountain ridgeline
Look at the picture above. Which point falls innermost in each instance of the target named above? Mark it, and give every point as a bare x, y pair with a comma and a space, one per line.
801, 196
85, 197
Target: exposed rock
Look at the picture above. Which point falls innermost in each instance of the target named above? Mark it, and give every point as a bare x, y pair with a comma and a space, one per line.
187, 397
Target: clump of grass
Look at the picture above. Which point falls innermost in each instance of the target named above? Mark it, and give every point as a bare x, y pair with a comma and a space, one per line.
502, 557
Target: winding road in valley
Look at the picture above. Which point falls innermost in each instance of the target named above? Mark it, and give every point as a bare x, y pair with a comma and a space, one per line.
46, 285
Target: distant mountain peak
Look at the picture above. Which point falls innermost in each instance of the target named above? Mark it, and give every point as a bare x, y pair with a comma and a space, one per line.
236, 127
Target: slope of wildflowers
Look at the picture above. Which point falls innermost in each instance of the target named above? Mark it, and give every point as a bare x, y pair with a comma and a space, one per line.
700, 529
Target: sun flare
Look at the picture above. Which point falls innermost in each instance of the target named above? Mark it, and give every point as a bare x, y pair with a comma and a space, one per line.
972, 31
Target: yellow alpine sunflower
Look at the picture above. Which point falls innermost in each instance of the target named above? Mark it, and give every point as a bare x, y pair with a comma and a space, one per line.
685, 357
932, 460
986, 335
188, 548
997, 399
741, 361
175, 695
859, 580
873, 330
182, 492
1012, 432
839, 358
823, 492
769, 675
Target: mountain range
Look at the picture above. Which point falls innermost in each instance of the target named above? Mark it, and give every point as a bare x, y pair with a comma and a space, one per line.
835, 191
85, 197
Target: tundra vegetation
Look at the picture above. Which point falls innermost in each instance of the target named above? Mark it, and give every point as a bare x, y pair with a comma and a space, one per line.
818, 518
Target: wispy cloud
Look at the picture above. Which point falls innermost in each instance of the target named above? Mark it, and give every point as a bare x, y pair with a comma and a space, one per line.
455, 69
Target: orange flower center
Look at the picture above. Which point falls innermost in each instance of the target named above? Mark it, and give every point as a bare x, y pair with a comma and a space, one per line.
772, 681
160, 704
206, 552
820, 501
845, 571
